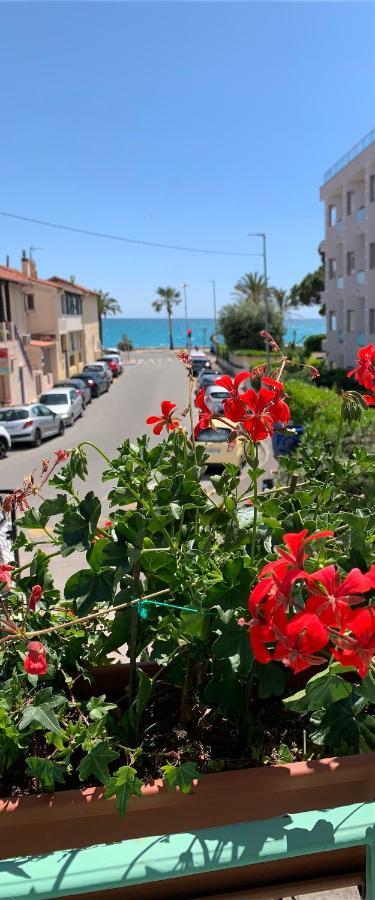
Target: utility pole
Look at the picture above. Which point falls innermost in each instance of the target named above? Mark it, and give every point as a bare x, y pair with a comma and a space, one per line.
184, 286
214, 303
262, 235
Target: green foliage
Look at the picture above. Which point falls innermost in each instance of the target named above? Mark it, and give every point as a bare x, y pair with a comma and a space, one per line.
96, 762
313, 343
241, 323
46, 771
308, 291
181, 777
317, 409
124, 785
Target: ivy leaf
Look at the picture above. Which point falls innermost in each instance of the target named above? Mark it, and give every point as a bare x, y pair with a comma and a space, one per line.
48, 772
98, 708
96, 762
181, 777
43, 715
124, 785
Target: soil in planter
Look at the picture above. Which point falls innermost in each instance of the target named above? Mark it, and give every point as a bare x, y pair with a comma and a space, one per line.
210, 740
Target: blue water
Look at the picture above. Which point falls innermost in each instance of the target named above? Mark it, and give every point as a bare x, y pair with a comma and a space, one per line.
154, 332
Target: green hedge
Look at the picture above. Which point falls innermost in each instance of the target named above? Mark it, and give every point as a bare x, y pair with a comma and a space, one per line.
313, 343
318, 409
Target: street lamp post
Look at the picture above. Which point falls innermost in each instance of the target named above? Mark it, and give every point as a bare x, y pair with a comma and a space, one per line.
184, 286
265, 294
214, 302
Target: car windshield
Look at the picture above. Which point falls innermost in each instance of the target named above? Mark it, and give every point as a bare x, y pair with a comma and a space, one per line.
94, 368
213, 435
54, 399
11, 415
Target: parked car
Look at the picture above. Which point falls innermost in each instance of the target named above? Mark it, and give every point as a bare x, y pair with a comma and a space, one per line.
117, 355
218, 449
198, 362
99, 367
96, 381
112, 363
64, 401
215, 396
31, 423
5, 442
80, 386
205, 379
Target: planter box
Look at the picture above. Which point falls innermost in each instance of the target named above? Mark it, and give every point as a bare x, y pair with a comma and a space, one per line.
32, 825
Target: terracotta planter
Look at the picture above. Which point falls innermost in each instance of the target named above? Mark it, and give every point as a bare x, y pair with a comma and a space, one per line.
33, 825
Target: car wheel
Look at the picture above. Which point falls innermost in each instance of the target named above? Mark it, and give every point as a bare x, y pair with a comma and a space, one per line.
81, 412
37, 438
61, 429
3, 448
107, 388
71, 421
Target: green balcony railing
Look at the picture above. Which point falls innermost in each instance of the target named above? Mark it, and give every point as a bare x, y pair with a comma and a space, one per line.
160, 857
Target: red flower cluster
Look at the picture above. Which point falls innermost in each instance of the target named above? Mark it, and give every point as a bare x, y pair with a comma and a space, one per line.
6, 575
293, 626
165, 420
364, 371
255, 413
35, 662
35, 596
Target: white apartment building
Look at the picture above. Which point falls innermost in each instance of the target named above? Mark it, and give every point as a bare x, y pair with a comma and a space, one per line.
348, 193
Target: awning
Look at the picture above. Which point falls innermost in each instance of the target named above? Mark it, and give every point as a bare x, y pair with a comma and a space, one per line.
42, 343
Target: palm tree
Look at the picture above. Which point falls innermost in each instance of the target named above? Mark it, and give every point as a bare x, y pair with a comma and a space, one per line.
282, 298
168, 298
107, 306
251, 287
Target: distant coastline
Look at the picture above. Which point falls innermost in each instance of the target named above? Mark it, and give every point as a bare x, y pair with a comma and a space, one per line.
153, 332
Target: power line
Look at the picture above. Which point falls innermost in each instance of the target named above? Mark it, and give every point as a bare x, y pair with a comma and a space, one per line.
124, 240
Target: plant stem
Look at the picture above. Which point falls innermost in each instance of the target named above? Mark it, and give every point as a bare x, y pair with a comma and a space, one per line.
255, 499
334, 454
134, 630
190, 379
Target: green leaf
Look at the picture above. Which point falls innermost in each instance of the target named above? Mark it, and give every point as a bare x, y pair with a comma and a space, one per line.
297, 702
233, 645
181, 777
367, 686
43, 715
76, 531
271, 680
326, 688
153, 560
195, 624
98, 708
124, 785
90, 508
96, 762
48, 772
53, 507
87, 588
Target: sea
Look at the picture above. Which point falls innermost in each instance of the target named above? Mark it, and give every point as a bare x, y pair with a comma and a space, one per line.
153, 332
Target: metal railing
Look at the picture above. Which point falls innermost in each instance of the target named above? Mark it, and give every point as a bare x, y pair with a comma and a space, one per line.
350, 155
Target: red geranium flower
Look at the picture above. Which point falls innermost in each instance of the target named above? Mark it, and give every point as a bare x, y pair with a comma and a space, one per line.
357, 647
6, 575
331, 599
35, 596
165, 420
259, 424
61, 455
234, 408
35, 662
278, 409
364, 371
274, 591
295, 552
205, 414
304, 636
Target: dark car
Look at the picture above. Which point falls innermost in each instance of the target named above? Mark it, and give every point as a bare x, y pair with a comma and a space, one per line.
113, 364
205, 379
95, 381
80, 386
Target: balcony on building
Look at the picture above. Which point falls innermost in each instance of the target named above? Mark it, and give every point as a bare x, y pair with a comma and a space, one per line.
361, 214
361, 277
341, 282
339, 226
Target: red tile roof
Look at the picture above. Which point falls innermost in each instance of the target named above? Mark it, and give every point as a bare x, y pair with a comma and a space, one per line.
74, 286
8, 274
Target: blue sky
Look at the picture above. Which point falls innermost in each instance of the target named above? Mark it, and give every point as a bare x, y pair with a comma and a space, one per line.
177, 122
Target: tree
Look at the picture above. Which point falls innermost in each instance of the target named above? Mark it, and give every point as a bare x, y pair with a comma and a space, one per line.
241, 323
125, 344
168, 298
308, 291
107, 306
282, 298
250, 286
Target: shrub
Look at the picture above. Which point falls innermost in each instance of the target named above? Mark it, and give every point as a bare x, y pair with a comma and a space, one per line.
317, 409
242, 322
313, 343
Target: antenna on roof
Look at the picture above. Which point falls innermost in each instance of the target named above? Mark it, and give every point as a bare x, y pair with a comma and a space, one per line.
32, 249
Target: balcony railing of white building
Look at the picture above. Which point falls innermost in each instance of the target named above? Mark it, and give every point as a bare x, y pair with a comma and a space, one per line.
350, 155
361, 277
340, 282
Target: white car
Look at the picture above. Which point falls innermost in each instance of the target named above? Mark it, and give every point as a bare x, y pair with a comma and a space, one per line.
5, 442
66, 403
215, 397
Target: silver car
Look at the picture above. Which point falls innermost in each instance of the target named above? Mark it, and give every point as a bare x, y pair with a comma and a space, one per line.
66, 402
31, 424
215, 397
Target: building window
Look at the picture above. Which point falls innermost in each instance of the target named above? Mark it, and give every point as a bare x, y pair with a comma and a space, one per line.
350, 262
71, 304
350, 320
332, 321
372, 256
332, 214
331, 268
349, 202
372, 188
29, 302
371, 321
